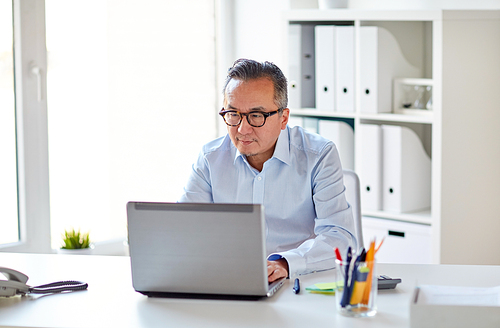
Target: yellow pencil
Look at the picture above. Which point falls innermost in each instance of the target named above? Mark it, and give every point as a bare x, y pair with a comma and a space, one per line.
370, 255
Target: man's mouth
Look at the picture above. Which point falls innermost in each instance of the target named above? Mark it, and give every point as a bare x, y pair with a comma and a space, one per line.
245, 142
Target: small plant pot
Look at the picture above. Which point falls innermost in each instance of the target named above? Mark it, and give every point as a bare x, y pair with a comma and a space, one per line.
81, 251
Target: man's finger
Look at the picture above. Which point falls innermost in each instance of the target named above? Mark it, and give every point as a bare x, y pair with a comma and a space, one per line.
275, 270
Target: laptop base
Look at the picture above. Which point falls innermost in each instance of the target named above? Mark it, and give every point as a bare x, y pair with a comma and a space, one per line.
204, 296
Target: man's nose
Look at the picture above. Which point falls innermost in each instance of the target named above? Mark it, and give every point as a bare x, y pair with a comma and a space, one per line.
244, 127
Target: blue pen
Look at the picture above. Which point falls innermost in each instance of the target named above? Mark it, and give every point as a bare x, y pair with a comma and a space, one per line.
345, 295
296, 286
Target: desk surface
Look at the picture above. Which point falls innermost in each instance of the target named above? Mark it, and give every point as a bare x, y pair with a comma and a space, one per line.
111, 301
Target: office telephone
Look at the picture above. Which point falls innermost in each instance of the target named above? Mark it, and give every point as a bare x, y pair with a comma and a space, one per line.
16, 285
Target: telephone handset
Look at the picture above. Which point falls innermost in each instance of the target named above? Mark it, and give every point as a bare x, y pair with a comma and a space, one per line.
16, 285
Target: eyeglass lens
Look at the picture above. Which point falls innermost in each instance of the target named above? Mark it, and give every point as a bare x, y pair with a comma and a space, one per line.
234, 118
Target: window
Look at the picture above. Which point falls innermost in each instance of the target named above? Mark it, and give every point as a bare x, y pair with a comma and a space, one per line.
98, 121
119, 75
9, 231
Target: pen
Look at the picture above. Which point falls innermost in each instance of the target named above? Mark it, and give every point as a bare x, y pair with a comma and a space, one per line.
345, 296
296, 286
362, 255
378, 247
354, 278
337, 253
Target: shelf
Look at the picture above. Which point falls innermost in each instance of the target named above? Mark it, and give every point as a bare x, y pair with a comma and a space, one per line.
308, 112
305, 15
351, 14
453, 49
423, 217
426, 118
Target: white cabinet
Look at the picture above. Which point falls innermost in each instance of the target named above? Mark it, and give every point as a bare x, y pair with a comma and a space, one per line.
404, 242
457, 53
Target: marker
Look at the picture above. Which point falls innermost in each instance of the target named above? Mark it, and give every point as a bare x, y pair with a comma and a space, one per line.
359, 285
296, 286
337, 253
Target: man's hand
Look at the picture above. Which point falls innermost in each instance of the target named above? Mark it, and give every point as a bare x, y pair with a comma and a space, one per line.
277, 269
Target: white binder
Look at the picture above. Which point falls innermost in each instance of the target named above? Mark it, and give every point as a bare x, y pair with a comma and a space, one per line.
295, 121
301, 85
325, 67
381, 60
406, 171
294, 71
344, 69
308, 99
310, 124
342, 135
371, 167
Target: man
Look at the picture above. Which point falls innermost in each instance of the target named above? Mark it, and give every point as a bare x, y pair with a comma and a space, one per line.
296, 175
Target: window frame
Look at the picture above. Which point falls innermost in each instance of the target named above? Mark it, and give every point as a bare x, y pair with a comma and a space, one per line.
31, 128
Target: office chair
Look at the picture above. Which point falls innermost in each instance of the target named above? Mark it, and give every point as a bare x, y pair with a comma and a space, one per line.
352, 194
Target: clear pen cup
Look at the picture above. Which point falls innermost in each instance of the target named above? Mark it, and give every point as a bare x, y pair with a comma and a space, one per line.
359, 298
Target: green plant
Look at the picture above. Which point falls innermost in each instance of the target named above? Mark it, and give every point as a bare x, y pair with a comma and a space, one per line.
75, 240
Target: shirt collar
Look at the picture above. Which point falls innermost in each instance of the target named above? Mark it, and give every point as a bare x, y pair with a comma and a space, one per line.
281, 152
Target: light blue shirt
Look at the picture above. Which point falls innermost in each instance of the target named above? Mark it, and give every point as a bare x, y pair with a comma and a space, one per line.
301, 188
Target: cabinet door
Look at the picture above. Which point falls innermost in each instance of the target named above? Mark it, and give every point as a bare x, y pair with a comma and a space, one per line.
404, 242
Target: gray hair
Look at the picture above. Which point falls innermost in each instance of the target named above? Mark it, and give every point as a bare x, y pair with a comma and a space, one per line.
247, 69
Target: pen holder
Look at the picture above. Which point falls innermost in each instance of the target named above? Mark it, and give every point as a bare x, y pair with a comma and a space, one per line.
356, 293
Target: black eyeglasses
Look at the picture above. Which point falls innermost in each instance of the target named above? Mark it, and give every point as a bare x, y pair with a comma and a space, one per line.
255, 118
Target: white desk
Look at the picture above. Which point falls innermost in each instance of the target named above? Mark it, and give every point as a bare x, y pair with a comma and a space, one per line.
111, 301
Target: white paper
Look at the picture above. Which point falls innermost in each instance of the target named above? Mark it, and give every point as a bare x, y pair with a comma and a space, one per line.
454, 295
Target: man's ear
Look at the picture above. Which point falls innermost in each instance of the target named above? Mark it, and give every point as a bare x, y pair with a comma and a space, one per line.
284, 118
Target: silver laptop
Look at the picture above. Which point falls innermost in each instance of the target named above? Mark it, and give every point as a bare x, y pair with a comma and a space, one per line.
199, 250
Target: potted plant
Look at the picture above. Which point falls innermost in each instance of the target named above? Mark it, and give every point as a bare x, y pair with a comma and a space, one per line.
75, 242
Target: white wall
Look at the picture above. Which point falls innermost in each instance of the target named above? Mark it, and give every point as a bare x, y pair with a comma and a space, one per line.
256, 30
257, 23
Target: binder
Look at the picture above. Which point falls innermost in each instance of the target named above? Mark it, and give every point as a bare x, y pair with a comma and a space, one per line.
342, 135
371, 166
406, 171
344, 72
310, 124
295, 121
294, 87
381, 60
301, 85
325, 67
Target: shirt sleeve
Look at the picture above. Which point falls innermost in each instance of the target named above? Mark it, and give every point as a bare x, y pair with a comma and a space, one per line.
334, 222
198, 188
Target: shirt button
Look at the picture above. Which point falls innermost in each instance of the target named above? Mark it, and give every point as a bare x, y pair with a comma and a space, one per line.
259, 178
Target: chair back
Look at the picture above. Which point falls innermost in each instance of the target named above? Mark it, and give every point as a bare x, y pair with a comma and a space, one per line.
352, 193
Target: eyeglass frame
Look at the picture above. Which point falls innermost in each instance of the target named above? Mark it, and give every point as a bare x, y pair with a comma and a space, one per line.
266, 115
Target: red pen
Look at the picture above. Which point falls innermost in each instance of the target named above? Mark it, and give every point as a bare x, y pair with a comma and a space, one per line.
337, 252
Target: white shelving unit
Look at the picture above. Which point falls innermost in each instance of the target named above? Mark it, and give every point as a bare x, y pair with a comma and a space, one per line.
459, 51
